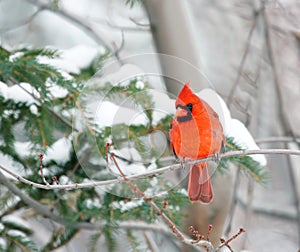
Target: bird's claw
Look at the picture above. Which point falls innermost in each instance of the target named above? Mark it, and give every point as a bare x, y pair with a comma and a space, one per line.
182, 163
216, 157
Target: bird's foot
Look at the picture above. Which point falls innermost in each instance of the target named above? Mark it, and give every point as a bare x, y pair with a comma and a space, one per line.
216, 157
183, 163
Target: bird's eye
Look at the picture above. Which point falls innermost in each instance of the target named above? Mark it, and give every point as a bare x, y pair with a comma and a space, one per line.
190, 106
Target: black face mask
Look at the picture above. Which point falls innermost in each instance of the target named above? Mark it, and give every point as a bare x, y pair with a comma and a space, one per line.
188, 108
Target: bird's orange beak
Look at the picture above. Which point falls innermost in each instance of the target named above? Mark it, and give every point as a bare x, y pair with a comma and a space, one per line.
180, 112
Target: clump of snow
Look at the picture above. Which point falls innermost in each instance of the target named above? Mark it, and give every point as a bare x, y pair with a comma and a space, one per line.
74, 59
33, 109
152, 166
3, 244
15, 56
232, 127
16, 233
1, 227
58, 91
16, 219
63, 180
18, 93
59, 151
108, 114
3, 89
140, 84
126, 206
10, 112
244, 139
93, 203
23, 148
129, 169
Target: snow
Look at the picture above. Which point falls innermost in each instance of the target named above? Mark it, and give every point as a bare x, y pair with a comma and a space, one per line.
1, 227
3, 244
243, 138
126, 206
59, 151
23, 148
93, 203
140, 84
63, 180
108, 114
15, 56
128, 169
15, 219
125, 72
74, 59
33, 109
58, 92
16, 233
232, 127
18, 94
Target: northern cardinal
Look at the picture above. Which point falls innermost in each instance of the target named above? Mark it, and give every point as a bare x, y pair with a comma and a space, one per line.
196, 132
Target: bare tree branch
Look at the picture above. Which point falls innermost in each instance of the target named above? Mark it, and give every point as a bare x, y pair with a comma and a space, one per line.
138, 28
149, 173
23, 22
274, 139
75, 20
242, 63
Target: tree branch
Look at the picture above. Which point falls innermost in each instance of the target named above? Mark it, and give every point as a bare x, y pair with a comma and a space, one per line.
274, 139
243, 60
75, 20
149, 173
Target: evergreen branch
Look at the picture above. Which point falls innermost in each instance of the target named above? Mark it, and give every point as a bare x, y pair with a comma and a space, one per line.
152, 172
94, 240
61, 118
44, 211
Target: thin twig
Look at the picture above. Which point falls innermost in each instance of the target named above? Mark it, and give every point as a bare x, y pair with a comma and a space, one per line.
150, 173
242, 63
147, 25
41, 156
226, 243
138, 28
275, 139
234, 202
74, 19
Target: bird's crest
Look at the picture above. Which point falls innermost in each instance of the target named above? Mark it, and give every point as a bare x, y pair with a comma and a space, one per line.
186, 95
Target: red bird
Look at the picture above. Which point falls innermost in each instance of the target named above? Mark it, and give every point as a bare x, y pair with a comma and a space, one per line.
195, 133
